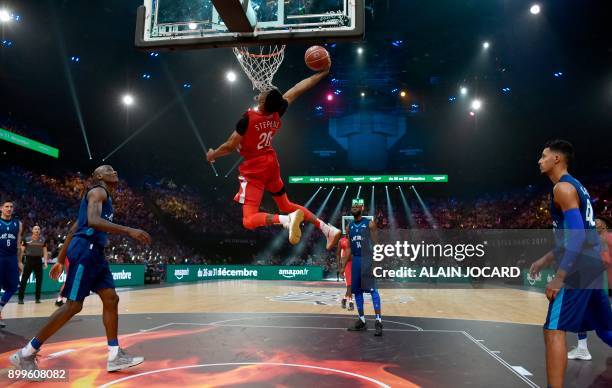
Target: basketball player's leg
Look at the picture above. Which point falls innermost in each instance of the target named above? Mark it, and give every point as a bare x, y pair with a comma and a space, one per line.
567, 312
599, 312
104, 286
9, 277
556, 357
250, 196
27, 271
76, 289
377, 311
581, 351
332, 234
360, 323
349, 281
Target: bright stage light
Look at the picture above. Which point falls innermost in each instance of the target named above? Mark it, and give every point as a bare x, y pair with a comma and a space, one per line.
127, 100
231, 76
330, 97
5, 16
476, 104
486, 45
463, 90
535, 9
403, 94
193, 26
362, 94
360, 50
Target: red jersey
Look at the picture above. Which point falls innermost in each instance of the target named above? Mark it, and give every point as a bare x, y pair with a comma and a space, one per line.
258, 134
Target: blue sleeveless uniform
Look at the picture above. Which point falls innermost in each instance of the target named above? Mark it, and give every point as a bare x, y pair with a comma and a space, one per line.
361, 249
88, 270
9, 269
577, 307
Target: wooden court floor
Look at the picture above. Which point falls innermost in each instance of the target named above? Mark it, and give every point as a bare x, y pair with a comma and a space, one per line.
246, 296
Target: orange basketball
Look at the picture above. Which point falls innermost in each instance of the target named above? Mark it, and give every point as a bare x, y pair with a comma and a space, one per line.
317, 58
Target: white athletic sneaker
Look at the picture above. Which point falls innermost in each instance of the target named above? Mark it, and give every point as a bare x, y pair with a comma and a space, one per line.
123, 361
24, 363
332, 234
579, 354
295, 224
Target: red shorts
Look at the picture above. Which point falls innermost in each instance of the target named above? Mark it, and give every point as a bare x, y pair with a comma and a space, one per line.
258, 175
347, 273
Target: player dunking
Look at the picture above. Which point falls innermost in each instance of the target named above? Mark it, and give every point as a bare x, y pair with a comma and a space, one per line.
10, 265
362, 233
343, 259
580, 308
260, 170
89, 271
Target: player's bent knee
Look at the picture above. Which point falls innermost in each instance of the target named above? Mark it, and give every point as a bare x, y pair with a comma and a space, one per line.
248, 223
74, 307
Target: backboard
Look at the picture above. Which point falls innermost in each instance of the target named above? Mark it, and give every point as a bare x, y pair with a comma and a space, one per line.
190, 24
347, 220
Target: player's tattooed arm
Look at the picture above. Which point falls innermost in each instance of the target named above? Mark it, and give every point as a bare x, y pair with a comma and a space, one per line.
226, 148
95, 198
305, 85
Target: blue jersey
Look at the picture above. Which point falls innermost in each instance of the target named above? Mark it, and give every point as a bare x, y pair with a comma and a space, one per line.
83, 230
359, 235
586, 211
8, 237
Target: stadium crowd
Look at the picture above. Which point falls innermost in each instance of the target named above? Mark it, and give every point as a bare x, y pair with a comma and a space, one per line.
51, 202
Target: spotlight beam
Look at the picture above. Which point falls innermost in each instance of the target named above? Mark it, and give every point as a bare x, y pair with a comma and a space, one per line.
142, 128
390, 213
372, 204
409, 215
190, 120
71, 86
428, 215
240, 159
332, 220
336, 213
299, 249
358, 192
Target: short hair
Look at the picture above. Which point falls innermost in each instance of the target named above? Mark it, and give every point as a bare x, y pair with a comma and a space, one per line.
7, 200
605, 220
563, 147
274, 101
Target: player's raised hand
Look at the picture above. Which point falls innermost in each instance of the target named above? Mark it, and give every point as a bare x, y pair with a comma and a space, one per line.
140, 235
210, 155
56, 271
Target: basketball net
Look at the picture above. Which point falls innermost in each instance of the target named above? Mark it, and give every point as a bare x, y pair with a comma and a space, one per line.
260, 64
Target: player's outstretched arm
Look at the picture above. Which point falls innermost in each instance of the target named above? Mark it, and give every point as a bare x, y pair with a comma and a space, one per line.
95, 199
305, 85
224, 149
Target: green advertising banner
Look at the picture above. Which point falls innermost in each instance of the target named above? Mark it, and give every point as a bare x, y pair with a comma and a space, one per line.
319, 180
192, 273
25, 142
123, 274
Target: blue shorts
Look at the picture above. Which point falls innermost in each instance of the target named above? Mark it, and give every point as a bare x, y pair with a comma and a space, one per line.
356, 277
579, 310
88, 271
9, 273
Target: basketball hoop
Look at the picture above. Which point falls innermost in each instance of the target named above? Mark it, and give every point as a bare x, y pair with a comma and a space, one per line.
260, 64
